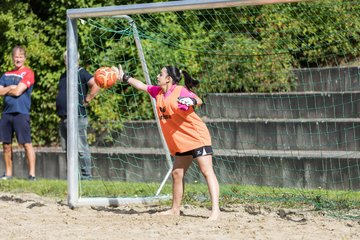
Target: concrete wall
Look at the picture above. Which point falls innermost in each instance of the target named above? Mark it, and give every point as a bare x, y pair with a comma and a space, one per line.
329, 79
295, 105
252, 168
51, 163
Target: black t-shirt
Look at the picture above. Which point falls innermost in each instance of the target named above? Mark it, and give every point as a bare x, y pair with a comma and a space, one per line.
83, 88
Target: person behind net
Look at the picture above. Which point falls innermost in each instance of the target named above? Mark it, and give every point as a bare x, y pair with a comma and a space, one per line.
16, 86
87, 90
186, 135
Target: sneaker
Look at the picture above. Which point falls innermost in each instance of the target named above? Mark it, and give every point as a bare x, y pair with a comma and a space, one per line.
4, 177
32, 178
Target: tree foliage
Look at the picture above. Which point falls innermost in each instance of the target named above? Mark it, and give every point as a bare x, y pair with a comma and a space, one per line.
289, 34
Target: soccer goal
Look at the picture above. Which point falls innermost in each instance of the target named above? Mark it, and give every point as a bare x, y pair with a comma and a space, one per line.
281, 94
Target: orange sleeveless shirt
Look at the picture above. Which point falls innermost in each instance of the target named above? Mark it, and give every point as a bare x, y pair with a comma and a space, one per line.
183, 130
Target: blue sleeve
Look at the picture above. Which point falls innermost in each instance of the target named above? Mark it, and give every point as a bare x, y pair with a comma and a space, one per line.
2, 80
85, 76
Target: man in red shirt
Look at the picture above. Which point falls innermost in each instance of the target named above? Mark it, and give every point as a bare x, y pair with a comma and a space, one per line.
16, 86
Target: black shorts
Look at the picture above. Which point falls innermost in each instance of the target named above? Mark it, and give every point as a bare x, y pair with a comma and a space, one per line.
201, 151
18, 123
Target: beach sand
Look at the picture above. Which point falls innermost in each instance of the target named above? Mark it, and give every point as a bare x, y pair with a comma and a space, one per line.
28, 216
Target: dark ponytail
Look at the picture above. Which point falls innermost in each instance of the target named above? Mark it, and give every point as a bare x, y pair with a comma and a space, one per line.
189, 81
175, 74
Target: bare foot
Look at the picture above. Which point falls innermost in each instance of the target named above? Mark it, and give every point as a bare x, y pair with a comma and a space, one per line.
214, 215
170, 212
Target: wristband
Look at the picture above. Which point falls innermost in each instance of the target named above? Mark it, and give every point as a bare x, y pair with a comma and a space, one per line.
194, 100
126, 77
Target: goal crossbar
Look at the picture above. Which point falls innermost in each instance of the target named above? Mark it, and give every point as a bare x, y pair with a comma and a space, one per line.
167, 7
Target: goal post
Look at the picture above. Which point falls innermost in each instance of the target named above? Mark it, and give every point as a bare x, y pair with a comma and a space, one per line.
72, 90
279, 89
73, 165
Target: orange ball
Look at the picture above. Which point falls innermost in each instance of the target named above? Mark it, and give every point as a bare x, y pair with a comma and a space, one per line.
105, 77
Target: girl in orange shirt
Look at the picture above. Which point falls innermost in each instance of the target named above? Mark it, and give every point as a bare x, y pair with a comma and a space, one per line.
185, 133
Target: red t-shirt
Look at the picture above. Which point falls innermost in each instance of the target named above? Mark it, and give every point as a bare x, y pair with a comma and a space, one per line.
22, 103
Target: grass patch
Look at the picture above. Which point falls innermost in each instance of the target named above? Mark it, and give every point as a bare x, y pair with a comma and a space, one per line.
337, 203
48, 188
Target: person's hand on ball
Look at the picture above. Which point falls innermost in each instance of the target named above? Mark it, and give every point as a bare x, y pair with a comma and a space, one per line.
119, 72
188, 101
